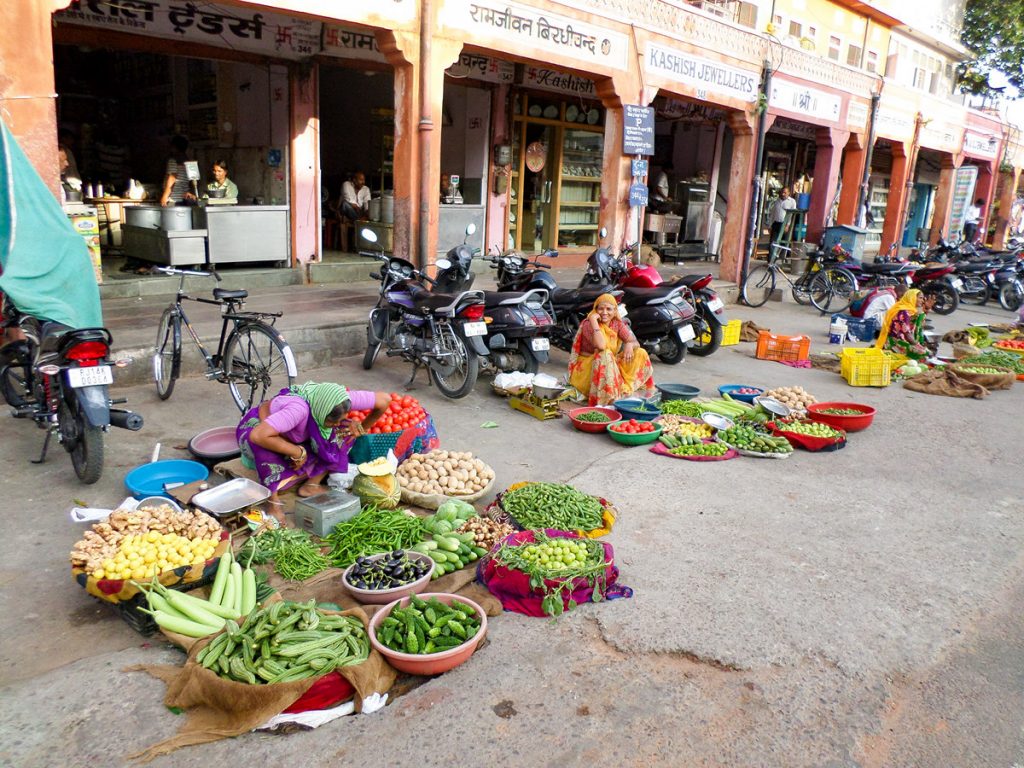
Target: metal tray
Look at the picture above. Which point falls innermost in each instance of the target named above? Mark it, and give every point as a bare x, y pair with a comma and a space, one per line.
231, 497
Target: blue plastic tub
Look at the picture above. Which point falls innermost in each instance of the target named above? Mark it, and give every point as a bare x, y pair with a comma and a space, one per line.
150, 479
730, 390
628, 409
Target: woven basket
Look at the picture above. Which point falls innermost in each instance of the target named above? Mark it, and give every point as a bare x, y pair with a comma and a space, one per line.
435, 500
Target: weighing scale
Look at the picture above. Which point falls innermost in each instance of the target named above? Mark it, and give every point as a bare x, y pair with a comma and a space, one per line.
538, 407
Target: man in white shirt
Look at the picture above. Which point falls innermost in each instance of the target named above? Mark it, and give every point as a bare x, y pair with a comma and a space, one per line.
778, 214
355, 198
971, 219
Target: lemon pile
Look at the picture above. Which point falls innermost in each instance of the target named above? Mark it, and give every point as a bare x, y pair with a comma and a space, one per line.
144, 555
556, 554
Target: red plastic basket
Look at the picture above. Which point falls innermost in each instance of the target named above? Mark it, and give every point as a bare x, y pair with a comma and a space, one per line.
771, 346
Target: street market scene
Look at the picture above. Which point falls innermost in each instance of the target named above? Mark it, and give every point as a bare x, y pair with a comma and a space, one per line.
543, 384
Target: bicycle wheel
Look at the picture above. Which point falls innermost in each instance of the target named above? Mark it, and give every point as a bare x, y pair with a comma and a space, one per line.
257, 363
801, 289
832, 290
167, 354
758, 286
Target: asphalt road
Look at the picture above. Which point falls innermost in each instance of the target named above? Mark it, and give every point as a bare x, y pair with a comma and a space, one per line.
859, 608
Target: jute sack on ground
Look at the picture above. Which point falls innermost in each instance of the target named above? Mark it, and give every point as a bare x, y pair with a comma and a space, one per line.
1002, 380
216, 708
749, 330
944, 382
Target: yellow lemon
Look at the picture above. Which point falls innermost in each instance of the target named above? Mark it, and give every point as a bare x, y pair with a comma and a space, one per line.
138, 573
108, 565
152, 536
126, 573
162, 565
150, 558
98, 575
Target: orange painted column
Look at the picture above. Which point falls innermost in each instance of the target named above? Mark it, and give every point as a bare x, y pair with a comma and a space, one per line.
1008, 194
305, 164
615, 214
401, 51
27, 89
444, 52
827, 162
892, 229
943, 204
741, 173
853, 172
986, 190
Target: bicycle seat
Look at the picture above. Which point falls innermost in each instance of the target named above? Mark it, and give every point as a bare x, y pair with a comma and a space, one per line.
225, 294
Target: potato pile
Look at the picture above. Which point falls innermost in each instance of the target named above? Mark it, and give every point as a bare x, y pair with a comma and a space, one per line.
797, 398
103, 540
449, 473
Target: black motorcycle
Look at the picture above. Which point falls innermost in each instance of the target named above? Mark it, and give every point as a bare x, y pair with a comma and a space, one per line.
517, 323
441, 332
59, 377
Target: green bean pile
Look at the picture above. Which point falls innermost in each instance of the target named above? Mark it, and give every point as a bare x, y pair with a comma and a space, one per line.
682, 408
550, 505
372, 531
595, 417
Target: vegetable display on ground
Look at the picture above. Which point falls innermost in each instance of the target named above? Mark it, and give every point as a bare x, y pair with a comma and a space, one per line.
295, 555
699, 449
551, 505
372, 531
682, 408
748, 439
403, 411
841, 411
428, 626
595, 417
394, 569
796, 398
633, 427
448, 473
678, 425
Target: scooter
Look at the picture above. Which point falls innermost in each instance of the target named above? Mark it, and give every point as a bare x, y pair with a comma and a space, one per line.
441, 332
59, 377
518, 326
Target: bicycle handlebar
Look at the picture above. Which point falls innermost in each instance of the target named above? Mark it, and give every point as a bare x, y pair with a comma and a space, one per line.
191, 272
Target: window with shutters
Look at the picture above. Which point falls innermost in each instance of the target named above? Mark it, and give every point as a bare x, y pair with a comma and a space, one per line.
796, 29
834, 44
853, 55
746, 14
871, 62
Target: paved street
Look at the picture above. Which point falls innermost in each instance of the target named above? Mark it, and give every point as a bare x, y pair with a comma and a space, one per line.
859, 608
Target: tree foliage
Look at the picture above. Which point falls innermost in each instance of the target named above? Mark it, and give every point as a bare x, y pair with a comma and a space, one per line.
993, 30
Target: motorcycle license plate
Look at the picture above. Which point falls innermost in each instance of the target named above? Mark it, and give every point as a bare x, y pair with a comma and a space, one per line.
90, 377
715, 305
622, 310
540, 344
686, 333
474, 329
958, 283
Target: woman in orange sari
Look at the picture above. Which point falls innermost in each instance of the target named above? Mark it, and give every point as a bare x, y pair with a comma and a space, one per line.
607, 363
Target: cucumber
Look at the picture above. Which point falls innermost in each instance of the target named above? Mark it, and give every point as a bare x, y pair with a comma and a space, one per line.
666, 440
438, 556
448, 543
448, 567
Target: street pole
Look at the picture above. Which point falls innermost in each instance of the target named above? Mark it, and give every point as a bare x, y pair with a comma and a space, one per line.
862, 198
756, 193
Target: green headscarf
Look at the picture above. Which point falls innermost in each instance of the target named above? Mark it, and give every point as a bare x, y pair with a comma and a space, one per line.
322, 399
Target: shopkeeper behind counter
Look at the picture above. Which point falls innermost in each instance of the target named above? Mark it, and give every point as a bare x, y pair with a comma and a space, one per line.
222, 189
176, 185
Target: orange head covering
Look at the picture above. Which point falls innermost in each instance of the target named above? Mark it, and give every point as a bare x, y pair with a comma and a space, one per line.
605, 298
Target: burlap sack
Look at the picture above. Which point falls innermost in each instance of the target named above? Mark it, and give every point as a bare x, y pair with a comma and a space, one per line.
216, 708
964, 350
750, 330
944, 382
990, 381
649, 256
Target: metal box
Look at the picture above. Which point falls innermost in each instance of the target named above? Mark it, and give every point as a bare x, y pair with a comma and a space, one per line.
852, 239
319, 514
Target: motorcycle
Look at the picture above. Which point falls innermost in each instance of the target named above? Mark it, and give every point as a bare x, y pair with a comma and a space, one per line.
661, 316
709, 318
59, 377
441, 332
936, 281
517, 323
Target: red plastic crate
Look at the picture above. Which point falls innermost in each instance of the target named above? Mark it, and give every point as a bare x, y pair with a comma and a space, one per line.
771, 346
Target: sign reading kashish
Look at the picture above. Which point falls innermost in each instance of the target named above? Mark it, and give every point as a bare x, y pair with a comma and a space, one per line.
700, 74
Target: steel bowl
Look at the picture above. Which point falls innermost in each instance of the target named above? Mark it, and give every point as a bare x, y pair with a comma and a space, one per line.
548, 393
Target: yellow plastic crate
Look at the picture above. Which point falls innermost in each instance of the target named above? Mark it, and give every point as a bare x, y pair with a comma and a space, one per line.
731, 333
895, 359
865, 367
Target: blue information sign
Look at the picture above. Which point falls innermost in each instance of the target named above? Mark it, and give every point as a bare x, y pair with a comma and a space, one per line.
637, 195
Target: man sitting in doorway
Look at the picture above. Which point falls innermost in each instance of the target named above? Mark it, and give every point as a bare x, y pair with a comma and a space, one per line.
778, 214
355, 198
661, 200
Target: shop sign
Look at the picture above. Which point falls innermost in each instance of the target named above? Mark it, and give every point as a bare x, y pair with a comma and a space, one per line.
690, 112
637, 130
938, 136
482, 68
794, 128
351, 43
220, 26
981, 145
700, 74
894, 125
559, 82
511, 24
805, 101
963, 194
856, 115
637, 195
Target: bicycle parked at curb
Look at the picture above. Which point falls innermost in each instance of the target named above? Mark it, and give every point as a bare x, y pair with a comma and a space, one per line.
252, 357
823, 284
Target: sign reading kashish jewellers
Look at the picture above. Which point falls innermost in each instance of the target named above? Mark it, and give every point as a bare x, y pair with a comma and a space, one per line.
700, 74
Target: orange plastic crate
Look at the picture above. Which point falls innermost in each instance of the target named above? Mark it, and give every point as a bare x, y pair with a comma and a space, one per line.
771, 346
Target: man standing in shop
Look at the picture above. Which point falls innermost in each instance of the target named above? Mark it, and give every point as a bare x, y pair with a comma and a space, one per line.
778, 214
355, 198
971, 219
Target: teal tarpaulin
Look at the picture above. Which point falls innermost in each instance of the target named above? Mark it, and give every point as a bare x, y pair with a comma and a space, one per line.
47, 272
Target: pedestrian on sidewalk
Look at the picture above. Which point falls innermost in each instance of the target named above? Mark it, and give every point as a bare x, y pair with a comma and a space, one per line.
778, 214
971, 219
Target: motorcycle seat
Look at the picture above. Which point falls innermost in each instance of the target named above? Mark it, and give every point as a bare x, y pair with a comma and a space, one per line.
505, 298
428, 300
50, 334
883, 269
645, 295
974, 267
225, 294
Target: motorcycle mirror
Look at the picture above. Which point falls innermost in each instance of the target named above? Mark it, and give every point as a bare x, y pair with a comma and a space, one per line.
470, 229
368, 235
443, 264
603, 233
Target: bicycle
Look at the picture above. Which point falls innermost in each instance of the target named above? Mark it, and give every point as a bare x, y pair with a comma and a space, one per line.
252, 358
820, 284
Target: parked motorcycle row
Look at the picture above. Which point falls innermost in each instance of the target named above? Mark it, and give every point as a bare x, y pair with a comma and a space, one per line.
455, 332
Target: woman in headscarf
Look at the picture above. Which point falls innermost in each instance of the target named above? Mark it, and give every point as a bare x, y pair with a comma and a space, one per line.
903, 326
607, 363
302, 435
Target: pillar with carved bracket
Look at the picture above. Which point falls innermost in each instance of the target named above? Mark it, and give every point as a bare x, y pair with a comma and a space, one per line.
856, 156
827, 161
943, 204
892, 229
741, 176
615, 214
985, 189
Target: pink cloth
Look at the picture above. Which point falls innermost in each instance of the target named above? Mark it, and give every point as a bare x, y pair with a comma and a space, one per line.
289, 414
795, 363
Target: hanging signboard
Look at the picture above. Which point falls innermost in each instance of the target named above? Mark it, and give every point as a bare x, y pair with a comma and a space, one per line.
963, 195
351, 44
700, 74
802, 100
476, 67
637, 195
980, 144
547, 79
637, 130
220, 26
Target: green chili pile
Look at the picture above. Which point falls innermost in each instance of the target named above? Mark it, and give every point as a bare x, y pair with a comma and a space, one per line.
373, 530
550, 505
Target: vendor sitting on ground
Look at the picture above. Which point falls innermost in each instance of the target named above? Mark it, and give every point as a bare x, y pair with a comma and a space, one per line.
607, 363
302, 435
873, 303
903, 326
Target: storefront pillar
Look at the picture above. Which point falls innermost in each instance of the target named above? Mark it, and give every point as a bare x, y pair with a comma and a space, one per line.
1007, 196
853, 172
741, 173
396, 48
944, 197
892, 229
615, 213
27, 90
305, 164
498, 181
827, 162
985, 188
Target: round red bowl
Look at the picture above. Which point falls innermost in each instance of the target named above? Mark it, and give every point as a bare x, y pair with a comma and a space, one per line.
428, 663
593, 426
847, 423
